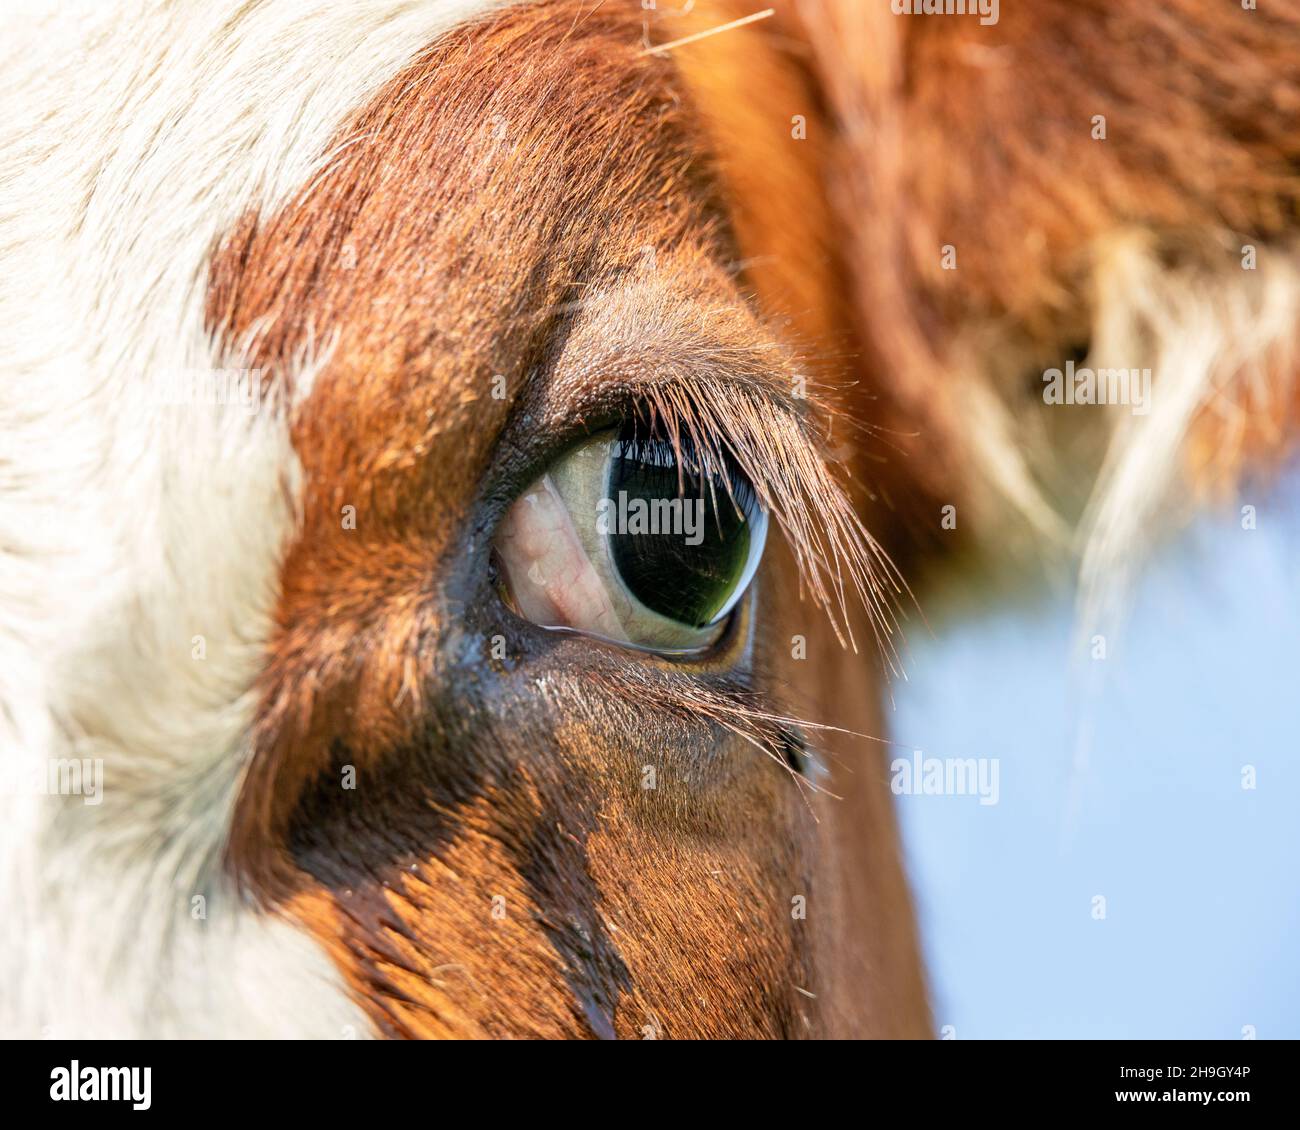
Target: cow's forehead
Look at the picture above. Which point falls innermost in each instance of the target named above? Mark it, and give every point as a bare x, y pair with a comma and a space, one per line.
473, 206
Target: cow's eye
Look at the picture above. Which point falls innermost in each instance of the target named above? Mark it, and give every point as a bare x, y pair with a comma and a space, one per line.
634, 538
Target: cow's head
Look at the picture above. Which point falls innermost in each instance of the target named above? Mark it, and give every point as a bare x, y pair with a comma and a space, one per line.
390, 677
345, 344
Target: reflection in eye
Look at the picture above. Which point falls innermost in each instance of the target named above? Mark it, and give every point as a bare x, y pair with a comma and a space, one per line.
636, 539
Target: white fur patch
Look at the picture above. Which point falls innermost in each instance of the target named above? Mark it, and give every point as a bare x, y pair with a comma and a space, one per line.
137, 535
1208, 333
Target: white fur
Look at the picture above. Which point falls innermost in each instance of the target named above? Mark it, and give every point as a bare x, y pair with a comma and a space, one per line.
1210, 335
131, 137
1210, 331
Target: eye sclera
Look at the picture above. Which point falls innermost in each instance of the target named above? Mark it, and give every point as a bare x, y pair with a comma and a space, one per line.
571, 560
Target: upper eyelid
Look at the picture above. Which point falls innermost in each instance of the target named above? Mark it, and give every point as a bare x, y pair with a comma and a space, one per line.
763, 369
580, 389
568, 410
657, 326
620, 377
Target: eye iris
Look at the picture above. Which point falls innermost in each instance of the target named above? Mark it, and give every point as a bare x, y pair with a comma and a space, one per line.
687, 539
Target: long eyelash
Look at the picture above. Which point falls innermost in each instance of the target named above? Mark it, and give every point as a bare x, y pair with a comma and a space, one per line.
780, 451
742, 711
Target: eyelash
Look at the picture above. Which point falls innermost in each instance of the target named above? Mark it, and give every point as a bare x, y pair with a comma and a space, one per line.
779, 448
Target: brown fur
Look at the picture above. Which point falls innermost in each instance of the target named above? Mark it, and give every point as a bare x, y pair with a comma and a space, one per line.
539, 198
482, 250
947, 132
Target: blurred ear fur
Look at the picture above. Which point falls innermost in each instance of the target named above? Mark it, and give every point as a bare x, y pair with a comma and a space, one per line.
967, 206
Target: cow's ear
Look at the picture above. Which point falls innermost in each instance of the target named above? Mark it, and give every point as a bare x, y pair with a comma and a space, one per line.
1014, 238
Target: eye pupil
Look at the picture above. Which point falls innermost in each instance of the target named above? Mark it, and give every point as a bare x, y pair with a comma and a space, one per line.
689, 537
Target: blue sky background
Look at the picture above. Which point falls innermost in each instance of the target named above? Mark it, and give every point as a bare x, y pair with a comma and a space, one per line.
1201, 878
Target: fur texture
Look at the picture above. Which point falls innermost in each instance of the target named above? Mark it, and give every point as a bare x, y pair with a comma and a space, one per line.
157, 624
1097, 169
371, 210
134, 136
557, 176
